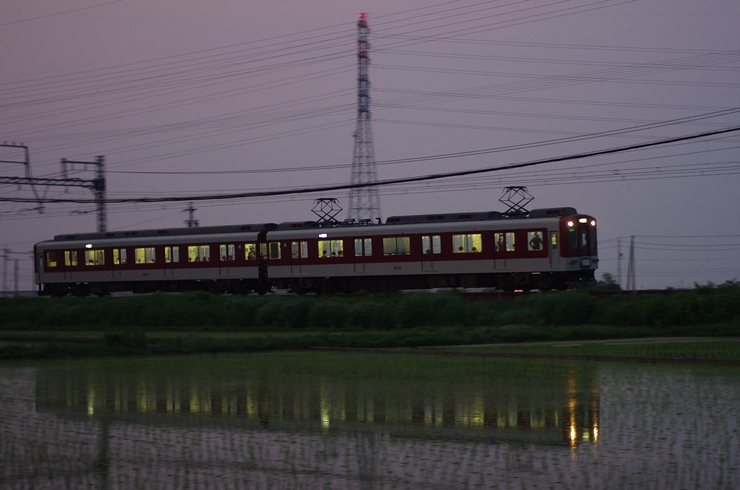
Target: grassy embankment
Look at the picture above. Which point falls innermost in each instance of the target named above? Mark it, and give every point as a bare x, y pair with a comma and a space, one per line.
201, 322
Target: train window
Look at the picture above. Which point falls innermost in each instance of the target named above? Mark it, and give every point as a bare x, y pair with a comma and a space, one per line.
331, 248
275, 250
299, 250
171, 254
51, 259
199, 253
554, 240
510, 245
467, 243
70, 257
534, 241
119, 256
572, 239
227, 252
363, 246
431, 244
94, 257
144, 255
396, 245
250, 252
593, 236
500, 242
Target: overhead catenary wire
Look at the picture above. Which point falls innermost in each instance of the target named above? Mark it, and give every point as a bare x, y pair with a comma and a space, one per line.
404, 180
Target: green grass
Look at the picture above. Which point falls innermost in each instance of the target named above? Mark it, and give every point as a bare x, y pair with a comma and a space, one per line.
202, 322
704, 305
687, 348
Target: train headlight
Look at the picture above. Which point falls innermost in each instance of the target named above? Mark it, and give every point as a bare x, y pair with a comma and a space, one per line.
583, 220
88, 245
593, 222
570, 224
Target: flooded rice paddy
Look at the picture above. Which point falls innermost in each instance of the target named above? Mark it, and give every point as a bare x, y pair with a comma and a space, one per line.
367, 421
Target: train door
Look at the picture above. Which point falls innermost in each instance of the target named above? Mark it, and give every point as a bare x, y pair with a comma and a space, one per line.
585, 247
363, 254
298, 253
554, 250
226, 258
119, 258
431, 247
504, 243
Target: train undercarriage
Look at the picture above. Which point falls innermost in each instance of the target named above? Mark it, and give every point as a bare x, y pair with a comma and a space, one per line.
332, 285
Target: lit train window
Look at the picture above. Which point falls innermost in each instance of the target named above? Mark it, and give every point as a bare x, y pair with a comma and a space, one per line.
534, 241
431, 245
94, 257
227, 252
51, 259
331, 248
199, 253
554, 240
504, 241
145, 255
467, 243
70, 257
171, 254
397, 246
250, 251
119, 256
363, 246
274, 250
299, 250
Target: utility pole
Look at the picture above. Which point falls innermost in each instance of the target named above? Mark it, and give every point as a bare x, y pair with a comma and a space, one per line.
631, 279
364, 202
15, 276
96, 185
6, 256
619, 263
191, 222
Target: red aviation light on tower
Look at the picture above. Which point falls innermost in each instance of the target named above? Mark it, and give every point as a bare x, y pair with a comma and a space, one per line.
362, 22
362, 16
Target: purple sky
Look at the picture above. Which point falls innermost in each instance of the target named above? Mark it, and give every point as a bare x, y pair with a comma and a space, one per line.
246, 87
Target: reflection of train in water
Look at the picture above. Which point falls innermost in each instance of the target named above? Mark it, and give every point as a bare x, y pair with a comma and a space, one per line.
566, 413
544, 248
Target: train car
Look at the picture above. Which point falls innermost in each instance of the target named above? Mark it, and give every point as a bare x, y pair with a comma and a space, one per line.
218, 259
551, 248
543, 249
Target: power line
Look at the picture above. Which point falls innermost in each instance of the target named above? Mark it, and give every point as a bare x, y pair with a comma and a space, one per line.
446, 175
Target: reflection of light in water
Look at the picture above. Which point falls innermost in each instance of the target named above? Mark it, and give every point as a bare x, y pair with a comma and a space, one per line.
91, 400
573, 434
596, 433
324, 405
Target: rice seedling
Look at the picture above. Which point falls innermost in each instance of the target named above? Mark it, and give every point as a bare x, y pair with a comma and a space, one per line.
336, 420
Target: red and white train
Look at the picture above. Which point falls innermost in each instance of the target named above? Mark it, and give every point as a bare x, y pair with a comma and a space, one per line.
551, 248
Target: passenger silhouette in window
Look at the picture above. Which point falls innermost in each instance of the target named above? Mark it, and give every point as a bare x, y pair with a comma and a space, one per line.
535, 243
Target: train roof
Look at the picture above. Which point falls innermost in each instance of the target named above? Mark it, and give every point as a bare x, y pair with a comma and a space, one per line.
481, 216
432, 218
296, 225
204, 230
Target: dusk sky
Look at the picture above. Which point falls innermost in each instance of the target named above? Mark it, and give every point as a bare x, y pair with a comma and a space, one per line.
187, 99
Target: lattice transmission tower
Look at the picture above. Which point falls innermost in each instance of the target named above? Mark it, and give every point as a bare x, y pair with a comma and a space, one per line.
364, 201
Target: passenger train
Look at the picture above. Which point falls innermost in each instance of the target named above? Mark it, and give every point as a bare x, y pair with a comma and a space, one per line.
553, 248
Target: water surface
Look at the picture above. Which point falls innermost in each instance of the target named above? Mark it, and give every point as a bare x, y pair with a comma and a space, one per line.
367, 421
